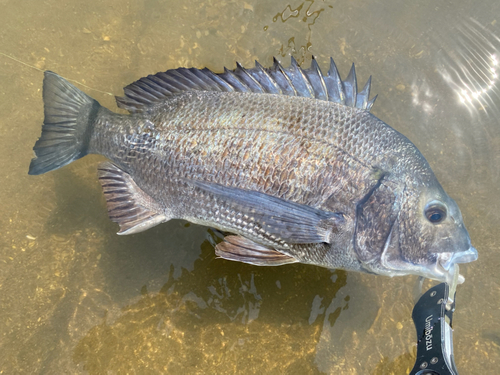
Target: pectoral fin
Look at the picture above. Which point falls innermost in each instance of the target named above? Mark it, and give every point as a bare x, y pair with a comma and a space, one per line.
254, 214
241, 249
128, 205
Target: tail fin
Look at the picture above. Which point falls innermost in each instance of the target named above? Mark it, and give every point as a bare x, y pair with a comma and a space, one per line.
67, 126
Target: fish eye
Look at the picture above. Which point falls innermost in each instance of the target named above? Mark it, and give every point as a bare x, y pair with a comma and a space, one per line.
435, 212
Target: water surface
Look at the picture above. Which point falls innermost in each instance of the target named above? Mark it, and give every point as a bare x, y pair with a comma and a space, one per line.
77, 298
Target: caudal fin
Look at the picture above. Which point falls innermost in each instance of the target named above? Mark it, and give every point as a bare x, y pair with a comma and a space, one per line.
67, 126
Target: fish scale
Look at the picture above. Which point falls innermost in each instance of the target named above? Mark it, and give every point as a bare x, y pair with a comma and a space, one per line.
312, 166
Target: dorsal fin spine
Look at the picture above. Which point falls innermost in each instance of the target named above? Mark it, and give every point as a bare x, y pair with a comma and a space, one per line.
370, 103
299, 81
364, 94
271, 80
223, 85
336, 89
307, 83
207, 80
233, 80
278, 68
351, 88
315, 73
251, 82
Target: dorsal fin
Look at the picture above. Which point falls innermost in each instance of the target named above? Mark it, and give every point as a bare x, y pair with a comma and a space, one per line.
351, 88
291, 81
317, 81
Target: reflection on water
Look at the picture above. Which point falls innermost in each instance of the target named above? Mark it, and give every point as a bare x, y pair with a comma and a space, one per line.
77, 298
472, 66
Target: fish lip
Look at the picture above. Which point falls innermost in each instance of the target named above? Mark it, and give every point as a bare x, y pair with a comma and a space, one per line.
447, 260
444, 268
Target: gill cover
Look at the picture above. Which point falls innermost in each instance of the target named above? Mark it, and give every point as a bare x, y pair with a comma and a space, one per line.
376, 215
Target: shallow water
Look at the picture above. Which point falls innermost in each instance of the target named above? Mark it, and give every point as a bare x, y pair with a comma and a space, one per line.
77, 298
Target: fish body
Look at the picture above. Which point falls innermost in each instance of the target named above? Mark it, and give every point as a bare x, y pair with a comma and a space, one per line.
290, 161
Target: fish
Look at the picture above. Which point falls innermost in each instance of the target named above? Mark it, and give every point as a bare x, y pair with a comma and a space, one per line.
289, 163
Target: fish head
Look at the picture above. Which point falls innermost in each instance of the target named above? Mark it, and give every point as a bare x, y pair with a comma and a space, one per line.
428, 237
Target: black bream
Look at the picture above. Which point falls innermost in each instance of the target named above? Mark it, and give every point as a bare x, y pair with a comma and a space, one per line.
288, 160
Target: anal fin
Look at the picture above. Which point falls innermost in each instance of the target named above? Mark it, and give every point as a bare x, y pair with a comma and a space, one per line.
241, 249
128, 205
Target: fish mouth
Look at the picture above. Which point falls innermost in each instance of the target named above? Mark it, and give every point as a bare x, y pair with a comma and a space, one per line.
445, 267
447, 260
